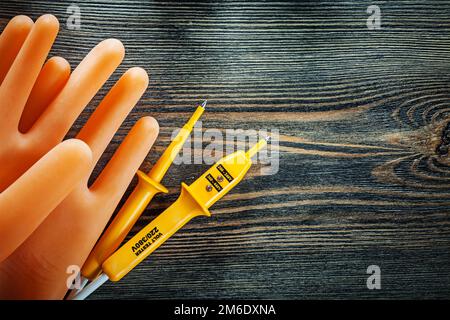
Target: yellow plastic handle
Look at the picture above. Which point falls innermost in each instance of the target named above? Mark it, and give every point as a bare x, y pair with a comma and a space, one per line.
122, 224
162, 165
194, 200
146, 189
154, 234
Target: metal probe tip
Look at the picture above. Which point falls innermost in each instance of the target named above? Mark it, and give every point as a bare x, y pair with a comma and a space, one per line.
204, 104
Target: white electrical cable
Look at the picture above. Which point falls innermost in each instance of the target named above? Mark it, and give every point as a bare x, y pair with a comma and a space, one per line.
73, 292
91, 287
84, 282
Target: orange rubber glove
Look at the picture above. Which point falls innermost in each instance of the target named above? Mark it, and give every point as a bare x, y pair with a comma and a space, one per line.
16, 153
31, 123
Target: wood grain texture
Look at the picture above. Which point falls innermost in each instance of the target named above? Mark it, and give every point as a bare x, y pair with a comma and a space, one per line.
364, 175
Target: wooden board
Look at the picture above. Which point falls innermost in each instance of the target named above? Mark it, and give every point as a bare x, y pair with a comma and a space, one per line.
361, 115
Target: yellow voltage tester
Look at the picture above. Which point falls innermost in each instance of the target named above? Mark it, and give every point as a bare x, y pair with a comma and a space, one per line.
147, 187
193, 201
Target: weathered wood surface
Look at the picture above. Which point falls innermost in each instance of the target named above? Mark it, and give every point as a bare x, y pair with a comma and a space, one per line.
361, 116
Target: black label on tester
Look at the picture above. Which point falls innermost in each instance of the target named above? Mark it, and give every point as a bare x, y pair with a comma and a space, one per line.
214, 182
225, 173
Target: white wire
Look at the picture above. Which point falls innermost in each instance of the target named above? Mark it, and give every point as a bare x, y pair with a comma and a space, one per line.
73, 292
91, 287
83, 284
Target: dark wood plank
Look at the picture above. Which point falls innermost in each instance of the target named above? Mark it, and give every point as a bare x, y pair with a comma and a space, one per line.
364, 178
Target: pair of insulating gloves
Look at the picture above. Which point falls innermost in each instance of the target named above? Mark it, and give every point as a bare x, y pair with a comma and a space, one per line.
50, 218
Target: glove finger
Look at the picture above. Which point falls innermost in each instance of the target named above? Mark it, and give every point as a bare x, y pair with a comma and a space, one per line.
20, 79
11, 40
84, 82
49, 83
112, 111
